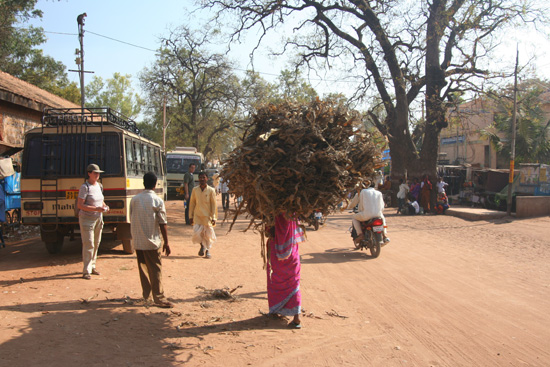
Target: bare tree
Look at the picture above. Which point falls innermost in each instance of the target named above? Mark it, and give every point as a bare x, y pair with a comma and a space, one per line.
401, 50
200, 86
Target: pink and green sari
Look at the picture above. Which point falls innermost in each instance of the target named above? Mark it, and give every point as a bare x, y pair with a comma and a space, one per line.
283, 268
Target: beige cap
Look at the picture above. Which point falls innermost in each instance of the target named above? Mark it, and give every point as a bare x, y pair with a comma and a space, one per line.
94, 168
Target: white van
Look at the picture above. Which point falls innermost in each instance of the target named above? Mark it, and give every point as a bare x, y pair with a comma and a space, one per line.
177, 164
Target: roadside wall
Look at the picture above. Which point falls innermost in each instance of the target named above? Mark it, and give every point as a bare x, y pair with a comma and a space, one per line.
532, 206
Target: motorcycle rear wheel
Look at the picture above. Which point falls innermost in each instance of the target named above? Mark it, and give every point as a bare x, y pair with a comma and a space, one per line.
374, 246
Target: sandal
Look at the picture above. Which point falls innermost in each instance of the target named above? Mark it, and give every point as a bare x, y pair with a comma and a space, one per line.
294, 325
164, 304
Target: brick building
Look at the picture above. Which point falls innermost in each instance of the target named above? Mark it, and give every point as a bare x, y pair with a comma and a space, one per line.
21, 108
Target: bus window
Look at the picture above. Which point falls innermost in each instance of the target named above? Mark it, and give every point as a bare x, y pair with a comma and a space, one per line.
145, 158
194, 160
68, 155
130, 161
31, 165
137, 156
111, 155
174, 165
157, 164
151, 167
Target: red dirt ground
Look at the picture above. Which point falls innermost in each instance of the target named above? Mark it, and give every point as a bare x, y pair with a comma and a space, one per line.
444, 292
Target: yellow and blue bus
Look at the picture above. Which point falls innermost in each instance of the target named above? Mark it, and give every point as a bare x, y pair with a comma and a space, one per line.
55, 157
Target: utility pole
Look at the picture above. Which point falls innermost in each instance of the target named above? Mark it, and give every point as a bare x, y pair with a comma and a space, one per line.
513, 147
80, 58
164, 126
80, 20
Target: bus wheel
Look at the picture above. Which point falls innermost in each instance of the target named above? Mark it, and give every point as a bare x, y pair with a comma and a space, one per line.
52, 238
127, 246
55, 246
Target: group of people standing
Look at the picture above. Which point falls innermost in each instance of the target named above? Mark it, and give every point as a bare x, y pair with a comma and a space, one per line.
415, 198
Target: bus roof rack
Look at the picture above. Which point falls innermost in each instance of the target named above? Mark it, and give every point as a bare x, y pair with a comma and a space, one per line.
91, 116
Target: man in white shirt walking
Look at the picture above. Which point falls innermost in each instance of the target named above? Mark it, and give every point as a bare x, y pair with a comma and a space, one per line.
148, 218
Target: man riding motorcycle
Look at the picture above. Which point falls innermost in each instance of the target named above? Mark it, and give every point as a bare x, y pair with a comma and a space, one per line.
371, 205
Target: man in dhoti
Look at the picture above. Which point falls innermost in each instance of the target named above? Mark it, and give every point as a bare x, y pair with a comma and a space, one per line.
203, 212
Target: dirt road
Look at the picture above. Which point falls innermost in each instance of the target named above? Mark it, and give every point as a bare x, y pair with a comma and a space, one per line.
444, 292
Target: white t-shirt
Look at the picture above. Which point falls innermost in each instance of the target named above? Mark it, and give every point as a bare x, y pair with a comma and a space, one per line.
403, 189
441, 187
223, 187
92, 195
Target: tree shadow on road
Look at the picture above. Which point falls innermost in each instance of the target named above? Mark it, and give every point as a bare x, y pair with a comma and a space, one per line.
99, 332
335, 255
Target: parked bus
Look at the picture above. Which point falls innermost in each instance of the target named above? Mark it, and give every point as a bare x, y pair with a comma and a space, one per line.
177, 164
55, 158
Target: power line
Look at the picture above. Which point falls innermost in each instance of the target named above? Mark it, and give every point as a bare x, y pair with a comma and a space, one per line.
126, 43
65, 34
148, 49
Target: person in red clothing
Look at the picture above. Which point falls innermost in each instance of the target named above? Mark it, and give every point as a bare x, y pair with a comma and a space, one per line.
425, 193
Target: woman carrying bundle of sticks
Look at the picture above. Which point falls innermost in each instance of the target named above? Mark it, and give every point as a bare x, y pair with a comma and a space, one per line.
283, 269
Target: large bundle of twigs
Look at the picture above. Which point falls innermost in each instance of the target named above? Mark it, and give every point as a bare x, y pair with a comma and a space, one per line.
295, 159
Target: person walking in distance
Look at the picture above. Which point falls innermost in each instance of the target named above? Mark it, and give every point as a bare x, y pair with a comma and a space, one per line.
91, 206
148, 218
188, 185
203, 212
225, 193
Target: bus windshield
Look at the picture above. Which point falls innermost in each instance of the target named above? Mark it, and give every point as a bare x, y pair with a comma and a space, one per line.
178, 163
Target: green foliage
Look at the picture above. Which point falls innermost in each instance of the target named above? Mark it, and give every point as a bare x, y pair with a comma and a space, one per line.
204, 95
65, 89
116, 93
292, 87
13, 12
20, 57
532, 122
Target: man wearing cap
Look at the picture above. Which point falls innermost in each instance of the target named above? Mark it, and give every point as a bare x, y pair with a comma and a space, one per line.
91, 206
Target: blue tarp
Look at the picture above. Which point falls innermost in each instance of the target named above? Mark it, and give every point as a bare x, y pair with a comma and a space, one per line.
2, 204
11, 191
13, 184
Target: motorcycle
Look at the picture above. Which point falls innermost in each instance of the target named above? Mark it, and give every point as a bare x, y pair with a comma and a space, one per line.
317, 219
374, 236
